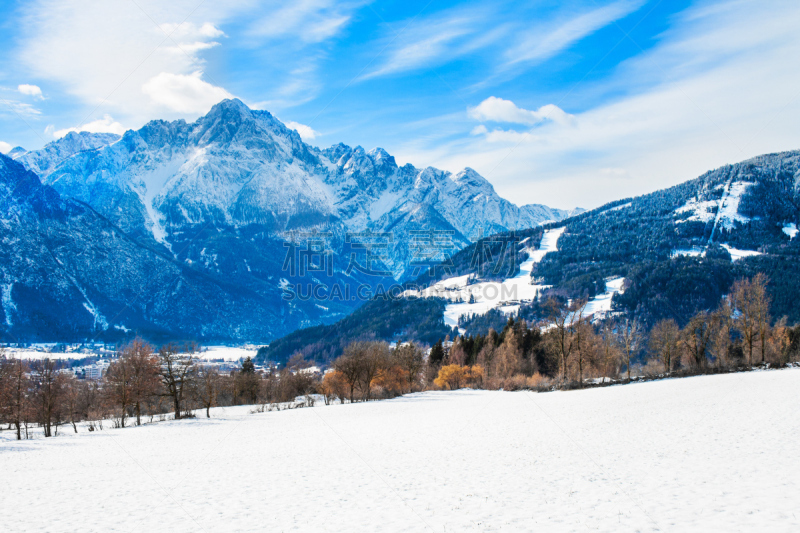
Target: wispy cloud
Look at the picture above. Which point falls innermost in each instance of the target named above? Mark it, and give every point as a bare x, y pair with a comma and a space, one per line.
22, 109
430, 41
311, 21
459, 32
547, 40
718, 89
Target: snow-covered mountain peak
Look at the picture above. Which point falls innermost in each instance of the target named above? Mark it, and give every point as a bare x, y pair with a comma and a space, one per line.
45, 161
470, 178
17, 152
238, 167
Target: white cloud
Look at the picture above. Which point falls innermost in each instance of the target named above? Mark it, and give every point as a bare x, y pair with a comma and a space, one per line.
312, 21
20, 109
135, 60
300, 86
103, 125
495, 109
116, 56
306, 133
457, 32
187, 94
428, 43
5, 147
543, 43
718, 88
30, 90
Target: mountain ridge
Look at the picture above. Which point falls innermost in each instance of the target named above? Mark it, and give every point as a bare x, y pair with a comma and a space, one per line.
225, 203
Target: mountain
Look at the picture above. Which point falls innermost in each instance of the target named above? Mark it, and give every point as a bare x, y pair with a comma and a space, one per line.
236, 199
16, 152
69, 274
240, 168
679, 250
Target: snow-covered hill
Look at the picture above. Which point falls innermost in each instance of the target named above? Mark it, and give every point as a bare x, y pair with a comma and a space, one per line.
708, 453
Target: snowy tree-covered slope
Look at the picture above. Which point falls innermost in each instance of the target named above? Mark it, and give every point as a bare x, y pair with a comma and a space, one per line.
668, 254
707, 453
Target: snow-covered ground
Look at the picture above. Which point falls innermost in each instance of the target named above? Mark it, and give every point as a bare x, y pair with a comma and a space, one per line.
727, 207
711, 453
600, 305
690, 252
505, 295
226, 353
45, 351
790, 230
737, 254
728, 212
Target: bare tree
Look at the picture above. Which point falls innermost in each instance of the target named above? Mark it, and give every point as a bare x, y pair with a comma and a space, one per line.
610, 351
696, 337
15, 390
587, 348
375, 362
48, 390
208, 388
565, 319
71, 400
412, 360
665, 342
630, 335
144, 374
118, 386
349, 365
177, 368
721, 343
509, 355
751, 303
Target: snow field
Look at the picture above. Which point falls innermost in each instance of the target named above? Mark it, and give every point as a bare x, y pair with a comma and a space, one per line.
710, 453
504, 295
600, 305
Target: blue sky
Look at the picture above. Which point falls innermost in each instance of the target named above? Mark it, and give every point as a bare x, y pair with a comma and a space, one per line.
565, 103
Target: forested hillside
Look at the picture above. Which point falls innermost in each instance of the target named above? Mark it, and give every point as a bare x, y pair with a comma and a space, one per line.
679, 250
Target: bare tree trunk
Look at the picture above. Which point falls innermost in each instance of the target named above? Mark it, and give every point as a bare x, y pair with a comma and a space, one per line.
138, 414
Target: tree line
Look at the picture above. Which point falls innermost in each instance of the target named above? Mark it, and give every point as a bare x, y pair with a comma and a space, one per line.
141, 382
567, 350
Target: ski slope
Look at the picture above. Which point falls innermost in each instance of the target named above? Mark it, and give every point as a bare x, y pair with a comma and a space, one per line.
599, 306
505, 295
710, 453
